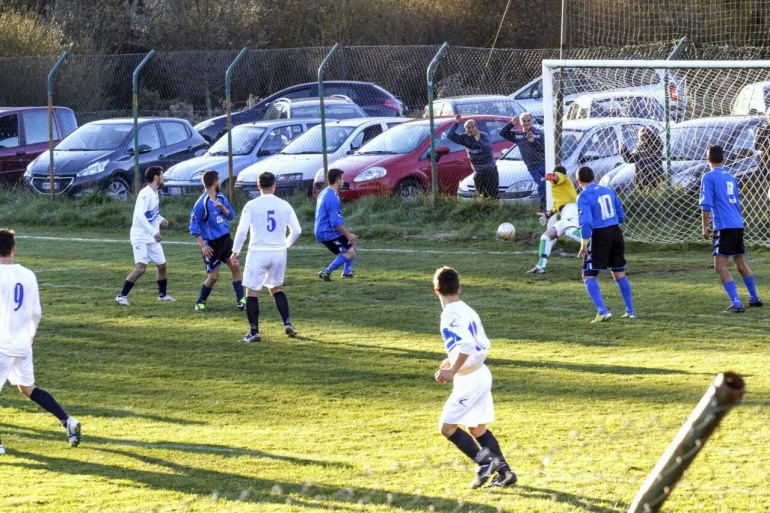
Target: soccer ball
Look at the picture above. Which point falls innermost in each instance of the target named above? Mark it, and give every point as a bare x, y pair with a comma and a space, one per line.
506, 231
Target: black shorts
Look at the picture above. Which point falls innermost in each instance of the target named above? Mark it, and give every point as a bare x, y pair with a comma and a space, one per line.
222, 249
729, 242
607, 250
339, 245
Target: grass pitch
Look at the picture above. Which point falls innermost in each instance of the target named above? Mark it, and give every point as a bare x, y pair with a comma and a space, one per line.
178, 416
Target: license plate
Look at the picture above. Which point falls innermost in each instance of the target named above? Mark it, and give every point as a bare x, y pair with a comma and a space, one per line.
175, 190
47, 185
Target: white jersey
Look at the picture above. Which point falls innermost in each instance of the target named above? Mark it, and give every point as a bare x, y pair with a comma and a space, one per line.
462, 332
19, 309
266, 219
147, 218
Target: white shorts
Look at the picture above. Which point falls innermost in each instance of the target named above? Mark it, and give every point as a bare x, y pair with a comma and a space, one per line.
470, 403
568, 219
264, 268
17, 370
146, 252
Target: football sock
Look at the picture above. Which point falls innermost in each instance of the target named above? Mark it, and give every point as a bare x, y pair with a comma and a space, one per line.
574, 235
238, 288
348, 266
625, 291
752, 288
465, 443
127, 286
732, 292
337, 263
546, 245
282, 304
204, 295
252, 313
49, 404
595, 293
489, 441
162, 287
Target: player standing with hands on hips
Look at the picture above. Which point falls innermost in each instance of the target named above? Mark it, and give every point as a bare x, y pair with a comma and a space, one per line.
600, 216
470, 403
486, 178
330, 229
20, 314
721, 205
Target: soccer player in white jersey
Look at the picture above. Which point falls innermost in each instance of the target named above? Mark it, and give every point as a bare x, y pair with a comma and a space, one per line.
145, 236
470, 403
265, 219
19, 317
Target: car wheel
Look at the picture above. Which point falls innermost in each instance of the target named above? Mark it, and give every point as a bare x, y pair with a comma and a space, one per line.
118, 188
408, 189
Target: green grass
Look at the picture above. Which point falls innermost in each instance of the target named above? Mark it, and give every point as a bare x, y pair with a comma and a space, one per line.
178, 416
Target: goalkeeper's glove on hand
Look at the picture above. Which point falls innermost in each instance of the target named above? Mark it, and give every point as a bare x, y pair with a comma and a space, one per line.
551, 177
543, 218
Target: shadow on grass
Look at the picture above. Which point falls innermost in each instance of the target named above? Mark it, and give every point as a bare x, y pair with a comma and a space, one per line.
95, 411
584, 503
583, 367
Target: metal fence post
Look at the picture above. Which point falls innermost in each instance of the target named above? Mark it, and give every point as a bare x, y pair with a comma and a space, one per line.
228, 108
432, 135
135, 90
50, 119
321, 70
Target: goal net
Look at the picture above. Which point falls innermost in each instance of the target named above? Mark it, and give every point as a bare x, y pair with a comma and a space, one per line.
644, 128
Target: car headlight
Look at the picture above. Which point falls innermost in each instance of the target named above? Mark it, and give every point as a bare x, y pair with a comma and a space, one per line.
289, 177
373, 173
521, 189
605, 181
28, 172
93, 169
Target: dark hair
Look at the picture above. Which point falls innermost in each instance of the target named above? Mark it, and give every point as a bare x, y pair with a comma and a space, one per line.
447, 281
715, 154
585, 174
209, 178
266, 180
151, 172
7, 241
334, 175
560, 169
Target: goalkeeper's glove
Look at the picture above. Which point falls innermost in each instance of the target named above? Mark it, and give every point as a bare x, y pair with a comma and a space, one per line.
551, 177
543, 218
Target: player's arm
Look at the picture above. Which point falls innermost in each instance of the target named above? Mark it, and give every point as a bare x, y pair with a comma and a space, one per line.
37, 311
584, 220
705, 223
240, 235
139, 209
444, 375
621, 213
294, 228
704, 201
226, 209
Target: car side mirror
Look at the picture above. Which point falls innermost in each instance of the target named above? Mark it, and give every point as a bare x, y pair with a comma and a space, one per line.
441, 151
143, 148
200, 152
264, 153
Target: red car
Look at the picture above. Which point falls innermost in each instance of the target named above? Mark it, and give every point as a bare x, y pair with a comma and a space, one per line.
397, 162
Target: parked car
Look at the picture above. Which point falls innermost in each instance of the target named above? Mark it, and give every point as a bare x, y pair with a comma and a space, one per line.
593, 142
752, 99
335, 107
494, 104
295, 166
689, 142
398, 162
375, 101
24, 136
251, 143
100, 155
616, 104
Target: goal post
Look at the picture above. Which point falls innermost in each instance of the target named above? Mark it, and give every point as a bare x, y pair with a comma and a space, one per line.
689, 105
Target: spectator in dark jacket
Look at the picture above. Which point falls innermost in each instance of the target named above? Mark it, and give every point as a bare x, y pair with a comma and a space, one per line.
531, 143
479, 148
648, 157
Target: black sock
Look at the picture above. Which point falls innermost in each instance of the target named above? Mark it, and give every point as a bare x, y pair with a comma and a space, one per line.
127, 286
282, 304
162, 287
465, 443
489, 441
252, 313
205, 291
49, 404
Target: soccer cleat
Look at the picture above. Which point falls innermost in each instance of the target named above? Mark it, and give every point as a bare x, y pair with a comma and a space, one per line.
734, 309
487, 466
757, 302
73, 431
166, 298
536, 270
325, 276
122, 300
249, 338
201, 307
504, 478
601, 317
628, 315
290, 331
351, 274
241, 304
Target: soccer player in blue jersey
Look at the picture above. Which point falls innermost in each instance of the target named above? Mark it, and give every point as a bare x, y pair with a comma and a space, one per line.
210, 225
721, 206
470, 403
330, 229
600, 216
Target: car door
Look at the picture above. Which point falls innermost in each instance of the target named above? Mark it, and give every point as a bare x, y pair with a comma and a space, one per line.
11, 161
149, 138
451, 168
601, 150
177, 143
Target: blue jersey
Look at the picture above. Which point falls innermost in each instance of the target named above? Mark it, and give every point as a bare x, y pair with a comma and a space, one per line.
208, 221
328, 215
719, 195
599, 207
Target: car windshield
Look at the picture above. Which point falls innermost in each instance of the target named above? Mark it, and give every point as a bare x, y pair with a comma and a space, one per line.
569, 142
401, 139
310, 142
244, 139
97, 137
691, 142
507, 108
